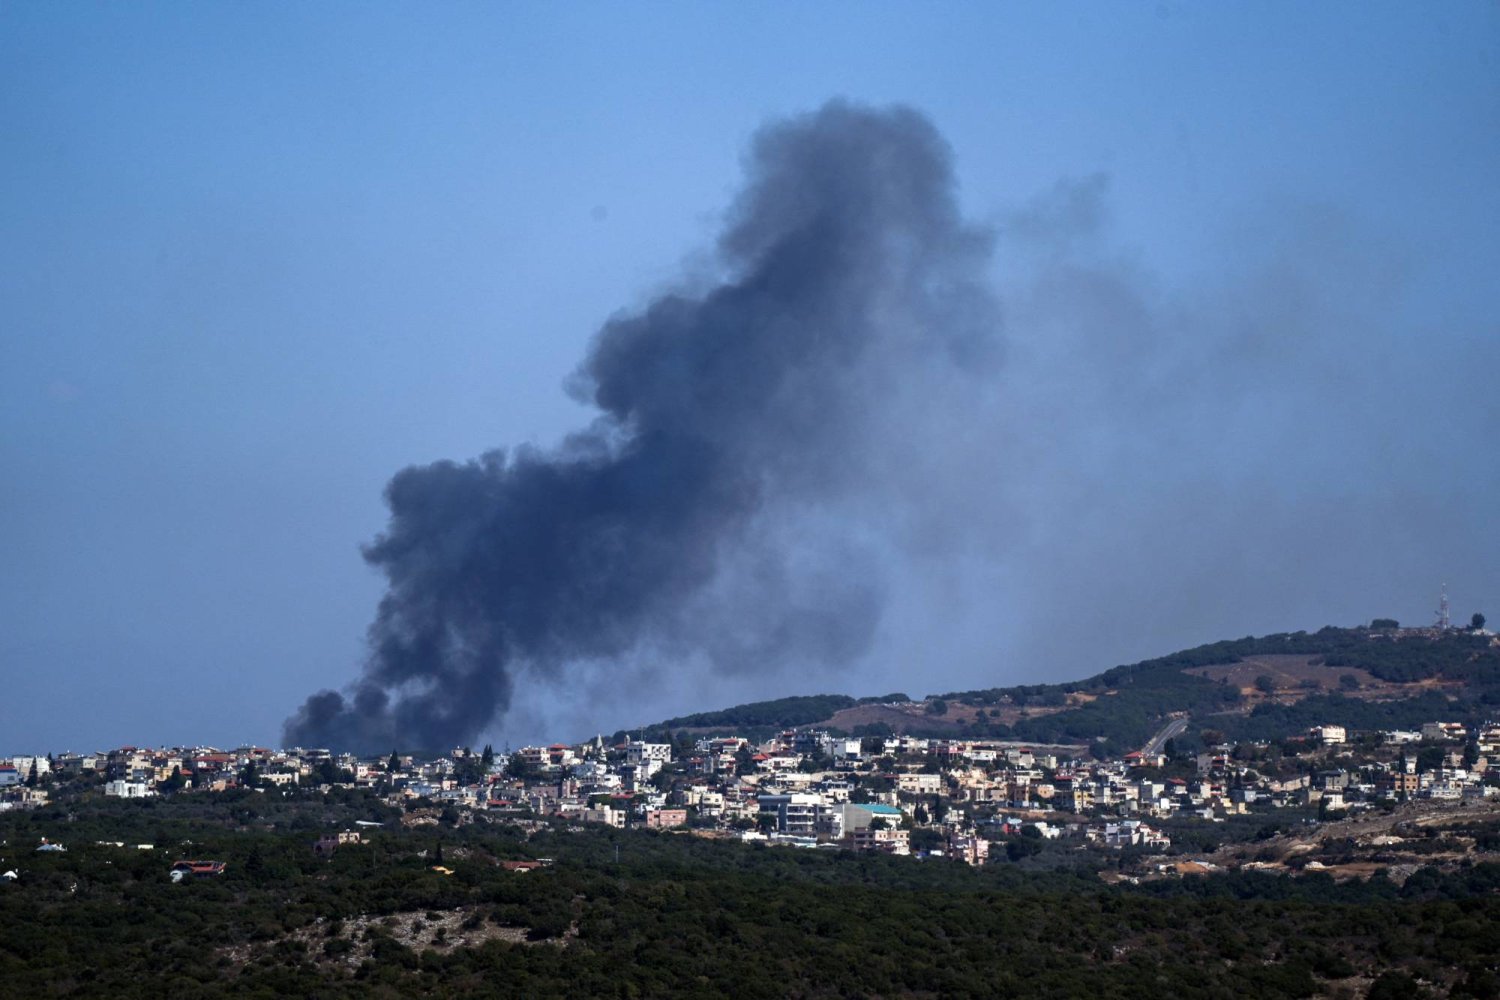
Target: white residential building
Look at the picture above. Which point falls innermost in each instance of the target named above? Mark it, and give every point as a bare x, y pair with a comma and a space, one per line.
128, 789
796, 813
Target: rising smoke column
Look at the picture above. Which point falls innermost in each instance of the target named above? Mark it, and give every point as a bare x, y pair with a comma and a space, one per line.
725, 417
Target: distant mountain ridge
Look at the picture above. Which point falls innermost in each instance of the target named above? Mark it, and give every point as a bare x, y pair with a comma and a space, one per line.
1252, 688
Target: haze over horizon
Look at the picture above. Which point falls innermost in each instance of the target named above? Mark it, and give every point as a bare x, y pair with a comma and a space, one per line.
1245, 335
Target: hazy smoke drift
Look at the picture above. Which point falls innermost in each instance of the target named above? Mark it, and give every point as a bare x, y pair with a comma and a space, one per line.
725, 416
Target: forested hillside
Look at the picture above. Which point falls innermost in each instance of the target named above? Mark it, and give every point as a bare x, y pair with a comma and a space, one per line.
1422, 675
434, 912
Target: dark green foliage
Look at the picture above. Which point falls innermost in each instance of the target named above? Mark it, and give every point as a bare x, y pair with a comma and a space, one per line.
1020, 848
1142, 695
520, 767
1270, 721
781, 713
469, 769
1457, 656
682, 916
330, 773
1395, 985
1479, 984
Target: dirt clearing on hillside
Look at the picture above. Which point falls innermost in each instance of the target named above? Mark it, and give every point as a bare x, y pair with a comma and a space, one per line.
1294, 677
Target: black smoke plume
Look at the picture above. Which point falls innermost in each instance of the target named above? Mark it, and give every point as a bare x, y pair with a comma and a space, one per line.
705, 515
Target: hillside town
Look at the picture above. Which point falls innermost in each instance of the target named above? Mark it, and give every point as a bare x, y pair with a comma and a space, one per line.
971, 801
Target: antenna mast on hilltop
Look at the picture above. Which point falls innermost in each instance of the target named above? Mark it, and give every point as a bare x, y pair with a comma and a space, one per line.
1442, 612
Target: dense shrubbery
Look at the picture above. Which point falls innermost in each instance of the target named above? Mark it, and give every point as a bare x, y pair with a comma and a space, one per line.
1270, 721
783, 712
683, 916
1125, 719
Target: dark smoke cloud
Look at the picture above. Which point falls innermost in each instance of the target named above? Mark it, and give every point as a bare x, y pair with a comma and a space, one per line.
719, 508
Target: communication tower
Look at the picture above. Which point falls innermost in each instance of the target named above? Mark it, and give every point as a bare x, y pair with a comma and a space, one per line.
1442, 613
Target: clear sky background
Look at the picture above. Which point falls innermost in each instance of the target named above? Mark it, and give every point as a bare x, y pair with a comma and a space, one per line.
255, 259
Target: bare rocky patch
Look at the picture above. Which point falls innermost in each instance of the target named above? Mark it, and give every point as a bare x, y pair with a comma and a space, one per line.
1295, 677
352, 941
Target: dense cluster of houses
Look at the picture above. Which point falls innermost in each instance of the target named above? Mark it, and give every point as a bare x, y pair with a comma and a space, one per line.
895, 795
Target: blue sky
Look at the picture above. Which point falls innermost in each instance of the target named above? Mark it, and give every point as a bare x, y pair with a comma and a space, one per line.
258, 258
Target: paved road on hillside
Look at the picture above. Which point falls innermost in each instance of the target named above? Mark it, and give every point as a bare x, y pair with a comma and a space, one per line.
1166, 732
